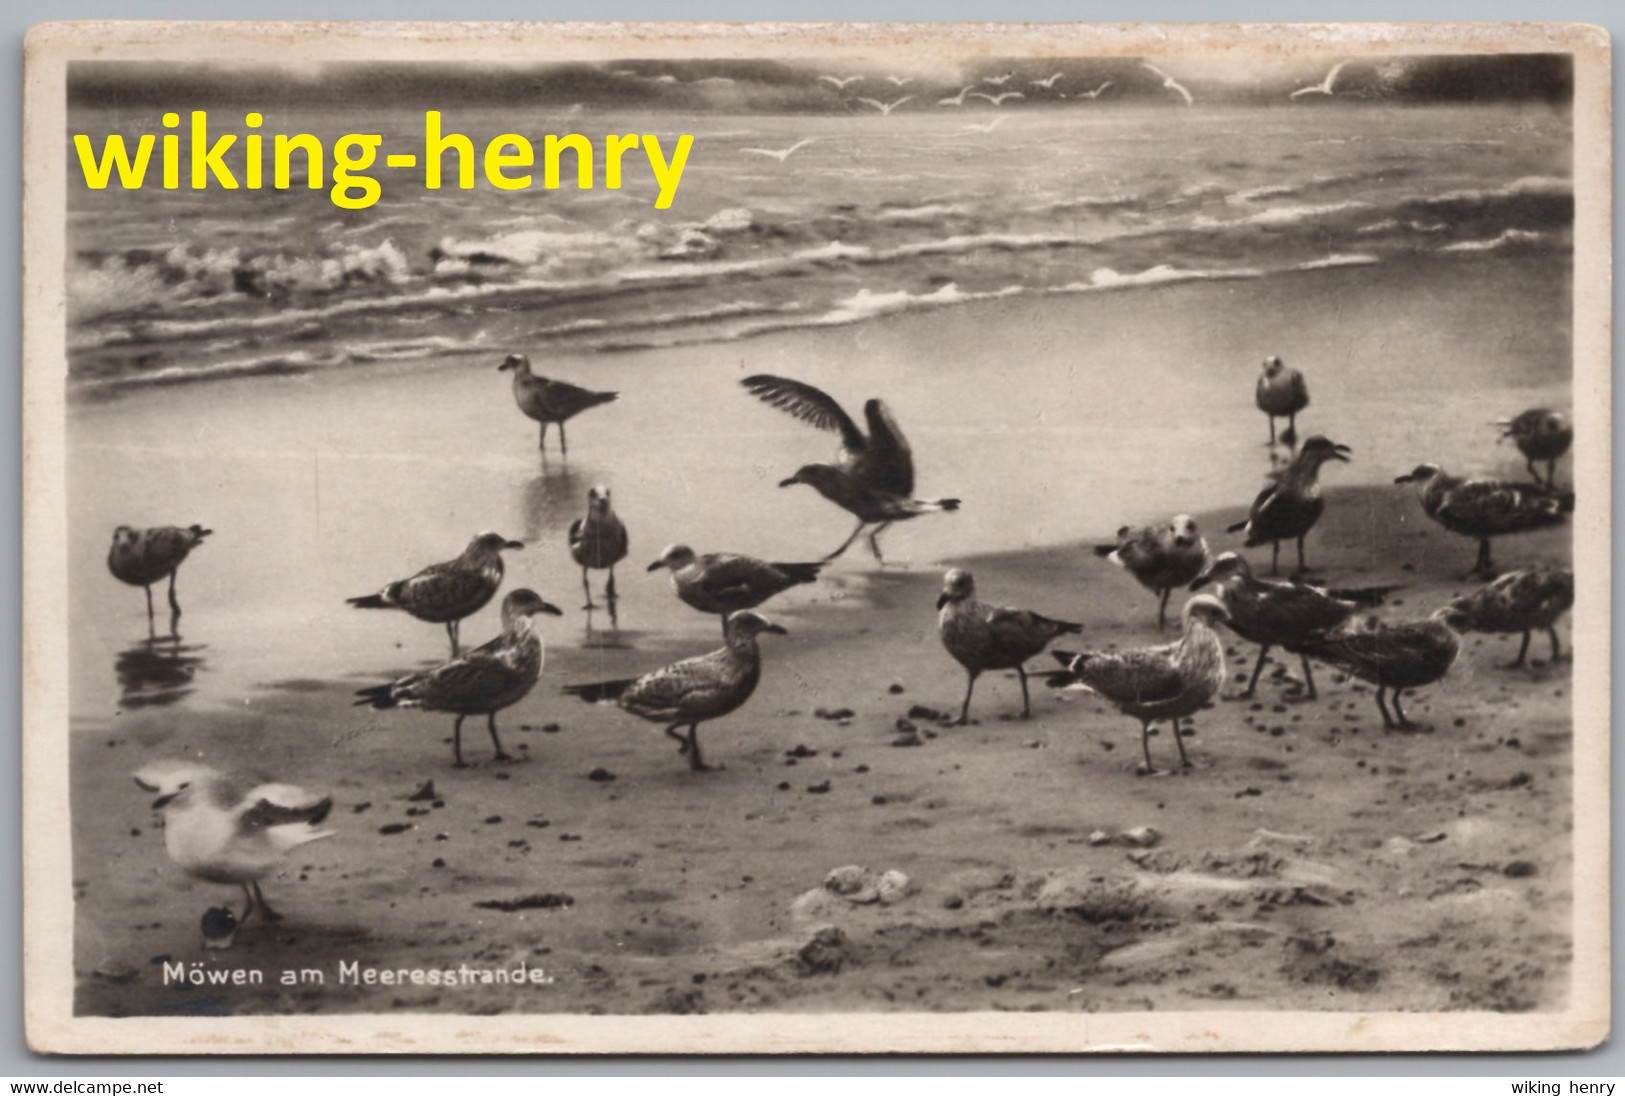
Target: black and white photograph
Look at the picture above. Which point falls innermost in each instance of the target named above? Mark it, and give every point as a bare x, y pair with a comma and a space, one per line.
763, 539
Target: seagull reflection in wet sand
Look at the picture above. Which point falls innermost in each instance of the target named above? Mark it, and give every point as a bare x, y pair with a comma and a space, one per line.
158, 671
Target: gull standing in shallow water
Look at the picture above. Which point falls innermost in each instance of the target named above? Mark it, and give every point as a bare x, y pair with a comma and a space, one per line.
1281, 391
987, 637
1288, 508
486, 680
226, 830
1157, 683
874, 475
695, 690
445, 593
1397, 656
1518, 601
724, 583
598, 542
1485, 508
548, 400
1540, 435
1160, 557
1280, 614
141, 557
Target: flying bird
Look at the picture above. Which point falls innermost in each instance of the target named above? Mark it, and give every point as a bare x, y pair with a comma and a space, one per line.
985, 127
547, 400
781, 154
724, 583
1289, 507
988, 637
1096, 93
1540, 435
1160, 557
998, 81
956, 100
1281, 391
141, 557
997, 100
494, 676
445, 593
873, 478
1518, 601
899, 81
1324, 87
840, 82
1154, 684
1170, 83
224, 829
1391, 656
1047, 82
597, 543
1485, 508
886, 108
695, 690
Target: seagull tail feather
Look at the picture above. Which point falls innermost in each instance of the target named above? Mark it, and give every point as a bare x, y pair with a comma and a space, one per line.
799, 573
1105, 550
600, 691
945, 504
371, 601
379, 696
1237, 527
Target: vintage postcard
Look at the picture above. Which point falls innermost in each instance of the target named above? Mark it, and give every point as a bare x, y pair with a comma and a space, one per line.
680, 538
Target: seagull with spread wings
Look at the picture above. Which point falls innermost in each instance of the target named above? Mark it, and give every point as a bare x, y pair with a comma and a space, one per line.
840, 82
956, 100
1170, 83
885, 108
997, 100
1324, 87
781, 154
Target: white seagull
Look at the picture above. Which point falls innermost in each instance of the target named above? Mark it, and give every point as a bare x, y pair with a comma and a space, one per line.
840, 82
1047, 82
997, 100
998, 81
1096, 93
1324, 87
1170, 83
886, 108
986, 127
781, 154
956, 100
225, 830
899, 81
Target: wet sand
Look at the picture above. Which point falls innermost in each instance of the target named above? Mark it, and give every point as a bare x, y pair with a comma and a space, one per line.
1310, 860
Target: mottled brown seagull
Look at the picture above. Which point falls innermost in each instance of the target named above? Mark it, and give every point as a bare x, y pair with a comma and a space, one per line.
1519, 601
491, 677
695, 690
597, 543
1397, 656
989, 637
723, 583
1540, 435
1485, 508
142, 557
1160, 557
445, 593
549, 401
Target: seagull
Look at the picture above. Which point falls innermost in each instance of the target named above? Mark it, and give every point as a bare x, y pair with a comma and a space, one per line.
724, 583
1161, 557
1485, 508
1280, 614
886, 108
445, 593
1397, 656
695, 690
491, 677
987, 637
956, 100
874, 476
1153, 684
1540, 435
840, 82
1324, 87
781, 154
549, 401
1288, 508
997, 100
900, 81
1170, 83
1096, 93
598, 542
1047, 82
224, 829
985, 127
998, 81
1281, 391
1518, 601
140, 557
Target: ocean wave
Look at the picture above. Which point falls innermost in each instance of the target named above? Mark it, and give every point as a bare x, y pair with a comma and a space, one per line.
1332, 261
1512, 237
289, 364
936, 211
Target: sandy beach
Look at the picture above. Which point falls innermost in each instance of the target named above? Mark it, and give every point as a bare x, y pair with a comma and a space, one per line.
1309, 860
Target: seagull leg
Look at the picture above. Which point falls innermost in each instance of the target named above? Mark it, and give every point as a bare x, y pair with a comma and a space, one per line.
609, 596
694, 762
1302, 566
1483, 565
543, 445
847, 543
1557, 654
1026, 702
1272, 431
174, 606
964, 709
1551, 473
1179, 740
248, 897
874, 542
1309, 677
1400, 712
1387, 720
1523, 649
1275, 557
564, 447
1162, 609
265, 911
451, 634
1291, 435
1145, 746
589, 607
1258, 668
682, 743
1529, 463
491, 725
149, 606
457, 743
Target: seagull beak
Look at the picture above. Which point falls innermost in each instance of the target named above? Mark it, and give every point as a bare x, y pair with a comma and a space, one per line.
1341, 452
791, 482
549, 608
776, 629
942, 599
143, 785
656, 565
514, 544
1406, 478
163, 801
504, 367
1202, 579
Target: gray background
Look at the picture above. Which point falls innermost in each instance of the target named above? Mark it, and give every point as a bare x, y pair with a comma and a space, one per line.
15, 1058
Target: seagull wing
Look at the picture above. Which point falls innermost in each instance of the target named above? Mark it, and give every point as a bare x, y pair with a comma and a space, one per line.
726, 577
876, 103
888, 464
443, 587
809, 404
695, 688
1189, 101
1145, 676
1331, 77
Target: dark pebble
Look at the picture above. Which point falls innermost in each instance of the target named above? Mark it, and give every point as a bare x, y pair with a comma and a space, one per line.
551, 728
601, 776
784, 785
1519, 869
394, 828
818, 789
359, 807
439, 863
493, 820
895, 689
